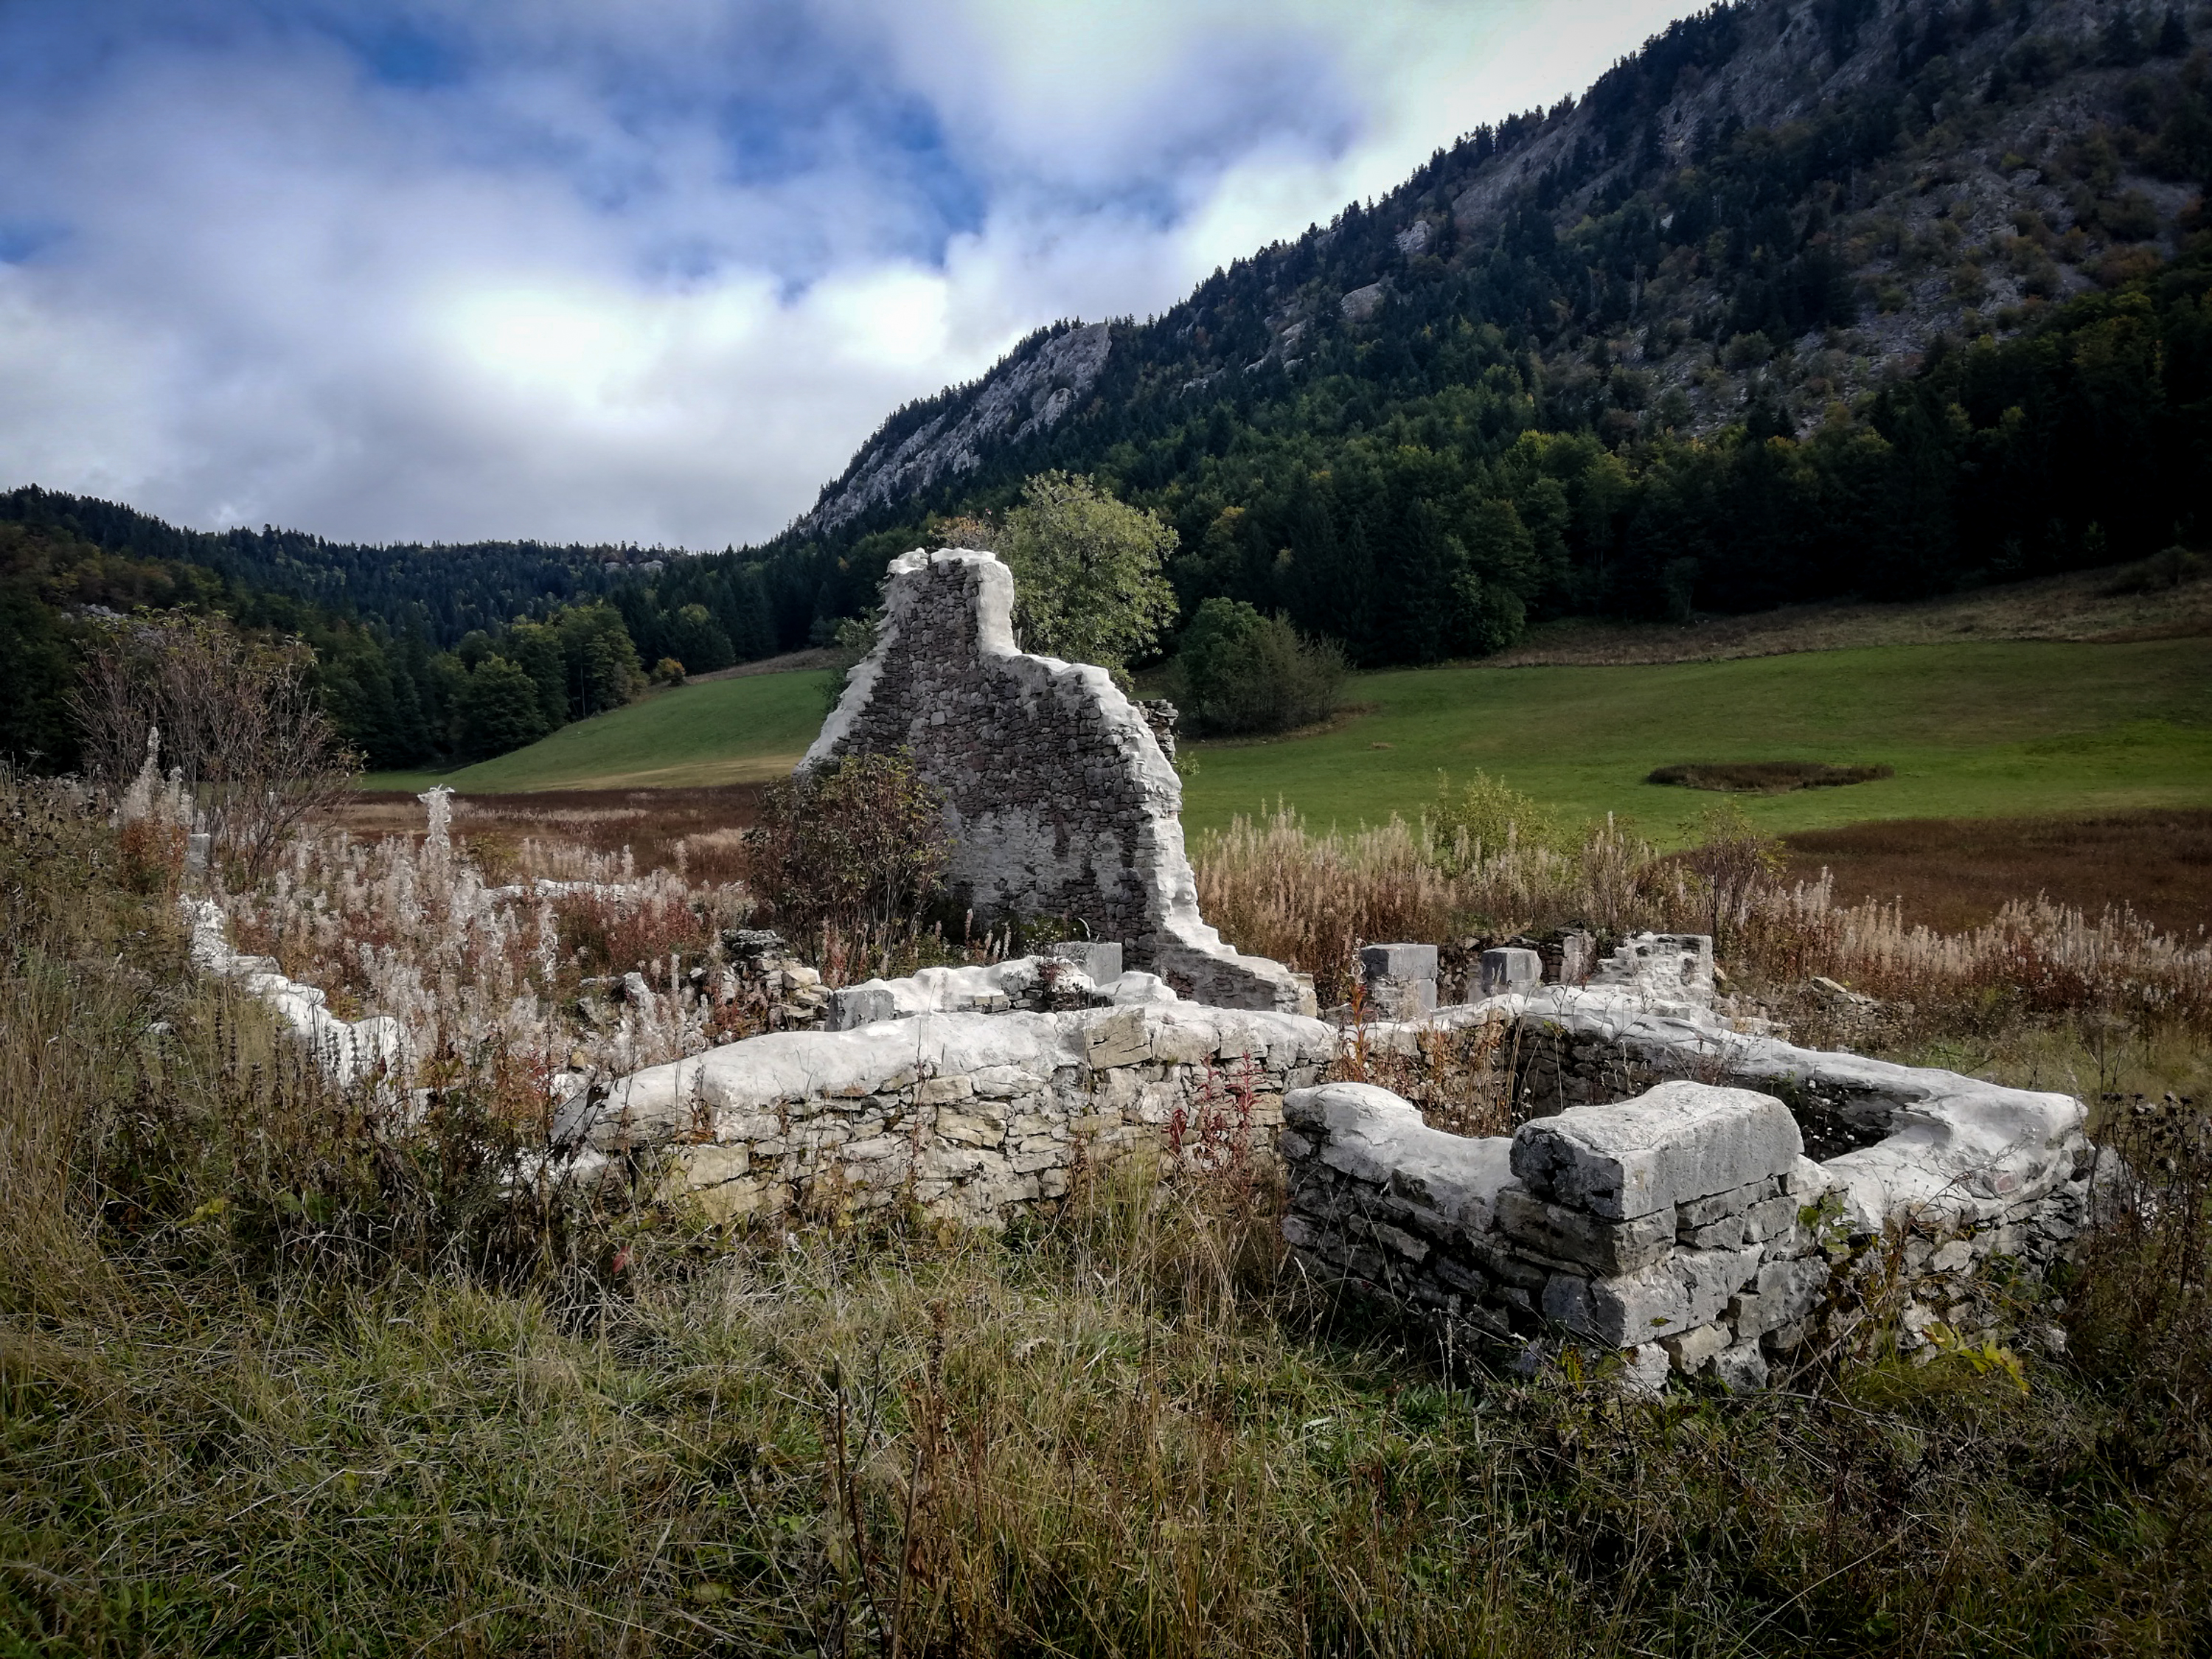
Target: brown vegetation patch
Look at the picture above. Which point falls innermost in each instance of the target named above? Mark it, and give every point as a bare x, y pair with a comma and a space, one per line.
663, 829
1956, 873
1766, 777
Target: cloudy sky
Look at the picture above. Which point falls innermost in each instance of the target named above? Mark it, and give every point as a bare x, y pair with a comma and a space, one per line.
648, 271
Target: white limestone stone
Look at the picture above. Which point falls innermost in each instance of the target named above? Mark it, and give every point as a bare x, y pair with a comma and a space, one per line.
1679, 1141
1510, 970
1577, 1236
1372, 1135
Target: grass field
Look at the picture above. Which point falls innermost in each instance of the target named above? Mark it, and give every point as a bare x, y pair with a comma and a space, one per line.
741, 730
1977, 730
1981, 730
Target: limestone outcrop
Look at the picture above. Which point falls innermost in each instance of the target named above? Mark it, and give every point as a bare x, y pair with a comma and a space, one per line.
1059, 797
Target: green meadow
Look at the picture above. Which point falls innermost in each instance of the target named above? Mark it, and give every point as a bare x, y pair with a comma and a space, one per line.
1980, 730
735, 731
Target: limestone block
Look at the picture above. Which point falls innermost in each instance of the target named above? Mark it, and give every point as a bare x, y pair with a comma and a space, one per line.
1001, 1082
1710, 1278
1769, 1219
1741, 1368
1726, 1234
1955, 1257
1118, 1039
1789, 1291
1098, 960
1511, 971
854, 1005
943, 1090
1703, 1212
944, 1162
1605, 1248
1399, 961
1621, 1311
1693, 1348
1376, 1138
1679, 1141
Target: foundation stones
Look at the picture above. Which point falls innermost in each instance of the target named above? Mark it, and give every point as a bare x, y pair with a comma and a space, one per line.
1511, 971
1098, 960
1401, 980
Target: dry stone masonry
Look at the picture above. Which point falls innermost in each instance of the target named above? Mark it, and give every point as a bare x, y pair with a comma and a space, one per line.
1684, 1228
968, 1115
1061, 800
1679, 1229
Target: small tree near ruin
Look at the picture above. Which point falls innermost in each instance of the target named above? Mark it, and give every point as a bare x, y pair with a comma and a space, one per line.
859, 845
1089, 571
238, 722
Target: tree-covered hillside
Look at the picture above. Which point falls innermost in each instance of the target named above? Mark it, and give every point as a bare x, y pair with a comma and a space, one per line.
1810, 297
441, 591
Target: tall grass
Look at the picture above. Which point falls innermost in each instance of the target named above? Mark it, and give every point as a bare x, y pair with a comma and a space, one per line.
1275, 887
525, 969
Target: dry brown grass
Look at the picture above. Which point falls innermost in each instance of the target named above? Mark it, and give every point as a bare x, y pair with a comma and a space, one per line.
1951, 874
653, 823
1310, 899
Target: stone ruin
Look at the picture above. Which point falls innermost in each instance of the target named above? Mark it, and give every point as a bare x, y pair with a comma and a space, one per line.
1059, 800
1685, 1191
1658, 1202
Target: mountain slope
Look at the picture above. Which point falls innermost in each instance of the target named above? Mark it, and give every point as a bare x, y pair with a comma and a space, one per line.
1825, 222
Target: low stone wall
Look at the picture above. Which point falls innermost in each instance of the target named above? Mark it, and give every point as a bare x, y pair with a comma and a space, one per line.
1680, 1230
1929, 1179
967, 1116
349, 1051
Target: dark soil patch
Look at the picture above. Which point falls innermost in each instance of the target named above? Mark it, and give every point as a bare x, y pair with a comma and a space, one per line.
1766, 777
1953, 874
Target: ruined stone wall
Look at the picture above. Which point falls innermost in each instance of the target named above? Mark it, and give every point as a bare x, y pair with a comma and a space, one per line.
1684, 1230
1059, 797
968, 1115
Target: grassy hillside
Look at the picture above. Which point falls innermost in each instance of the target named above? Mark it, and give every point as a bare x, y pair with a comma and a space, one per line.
732, 731
1973, 730
1977, 730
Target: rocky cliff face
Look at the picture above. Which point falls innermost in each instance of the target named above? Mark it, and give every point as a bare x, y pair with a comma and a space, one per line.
1936, 166
1030, 392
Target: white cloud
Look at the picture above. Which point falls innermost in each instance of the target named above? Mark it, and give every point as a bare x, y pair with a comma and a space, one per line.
654, 279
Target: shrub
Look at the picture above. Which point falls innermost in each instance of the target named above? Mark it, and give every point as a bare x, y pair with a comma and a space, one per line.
238, 719
1239, 671
1486, 817
859, 845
